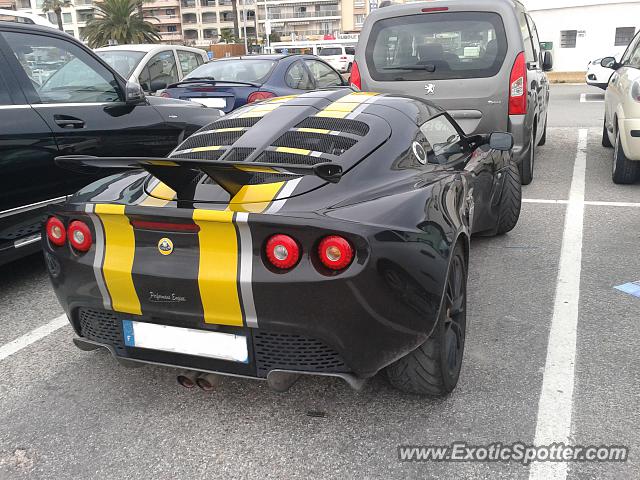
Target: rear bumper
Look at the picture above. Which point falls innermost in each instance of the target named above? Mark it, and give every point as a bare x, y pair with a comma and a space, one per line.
521, 137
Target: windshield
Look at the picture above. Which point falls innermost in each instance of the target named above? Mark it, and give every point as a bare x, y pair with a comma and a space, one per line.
235, 70
122, 61
436, 46
325, 52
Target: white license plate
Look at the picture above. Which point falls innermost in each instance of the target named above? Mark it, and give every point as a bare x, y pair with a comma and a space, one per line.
201, 343
210, 102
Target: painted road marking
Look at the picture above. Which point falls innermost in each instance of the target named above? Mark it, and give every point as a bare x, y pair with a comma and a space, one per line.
586, 202
556, 398
33, 336
583, 98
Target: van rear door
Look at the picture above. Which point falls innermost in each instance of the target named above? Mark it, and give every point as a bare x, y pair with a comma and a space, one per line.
454, 58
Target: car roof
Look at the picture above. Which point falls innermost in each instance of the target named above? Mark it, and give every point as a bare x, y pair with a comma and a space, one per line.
397, 9
146, 47
4, 25
271, 56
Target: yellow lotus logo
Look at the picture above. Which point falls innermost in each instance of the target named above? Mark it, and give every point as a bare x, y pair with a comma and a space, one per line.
165, 246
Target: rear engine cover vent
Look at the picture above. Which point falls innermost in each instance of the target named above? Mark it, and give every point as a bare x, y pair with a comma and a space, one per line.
210, 139
239, 154
271, 156
353, 127
232, 123
318, 142
204, 155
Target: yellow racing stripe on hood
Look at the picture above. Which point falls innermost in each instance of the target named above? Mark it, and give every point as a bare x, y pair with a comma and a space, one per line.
345, 105
119, 251
218, 267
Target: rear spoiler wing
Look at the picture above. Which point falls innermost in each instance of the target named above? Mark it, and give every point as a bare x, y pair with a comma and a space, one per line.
180, 173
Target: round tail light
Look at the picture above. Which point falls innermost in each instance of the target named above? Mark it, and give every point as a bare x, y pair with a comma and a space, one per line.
282, 251
55, 231
335, 252
79, 236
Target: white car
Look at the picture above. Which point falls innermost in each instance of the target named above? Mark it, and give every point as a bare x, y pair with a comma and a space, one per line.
154, 67
21, 17
622, 113
338, 56
597, 75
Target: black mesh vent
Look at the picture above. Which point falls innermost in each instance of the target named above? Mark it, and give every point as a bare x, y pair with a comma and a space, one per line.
232, 123
318, 142
211, 139
259, 178
270, 156
353, 127
101, 326
239, 154
294, 352
205, 155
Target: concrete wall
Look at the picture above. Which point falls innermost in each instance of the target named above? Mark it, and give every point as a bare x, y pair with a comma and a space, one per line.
598, 21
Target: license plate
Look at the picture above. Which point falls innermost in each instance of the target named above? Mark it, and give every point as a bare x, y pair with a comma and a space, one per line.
201, 343
211, 102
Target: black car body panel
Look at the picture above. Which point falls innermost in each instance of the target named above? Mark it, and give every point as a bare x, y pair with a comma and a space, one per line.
33, 132
402, 215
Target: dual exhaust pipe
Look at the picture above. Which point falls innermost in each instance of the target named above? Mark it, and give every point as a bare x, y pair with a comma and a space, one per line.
206, 381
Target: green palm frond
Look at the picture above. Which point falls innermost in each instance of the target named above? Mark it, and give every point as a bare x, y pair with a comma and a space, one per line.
119, 20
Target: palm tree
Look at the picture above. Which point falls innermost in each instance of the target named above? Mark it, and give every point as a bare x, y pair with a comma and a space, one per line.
119, 20
227, 35
236, 27
55, 6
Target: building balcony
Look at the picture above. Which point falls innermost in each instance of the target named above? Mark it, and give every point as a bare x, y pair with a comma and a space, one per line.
188, 4
171, 36
162, 19
161, 4
320, 15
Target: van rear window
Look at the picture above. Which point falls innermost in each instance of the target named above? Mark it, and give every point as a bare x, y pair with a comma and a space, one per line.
436, 46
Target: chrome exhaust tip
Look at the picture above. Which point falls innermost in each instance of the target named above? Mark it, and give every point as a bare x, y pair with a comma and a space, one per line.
209, 381
187, 379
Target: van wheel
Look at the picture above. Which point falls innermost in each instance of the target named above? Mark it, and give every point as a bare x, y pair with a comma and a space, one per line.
510, 201
625, 171
526, 167
434, 367
543, 139
605, 135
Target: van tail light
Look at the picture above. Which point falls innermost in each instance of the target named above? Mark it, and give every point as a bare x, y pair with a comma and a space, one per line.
259, 95
79, 236
335, 252
282, 251
55, 231
518, 86
355, 79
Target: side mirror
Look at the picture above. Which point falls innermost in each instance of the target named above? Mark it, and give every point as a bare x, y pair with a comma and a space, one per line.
609, 62
157, 85
502, 141
134, 94
547, 61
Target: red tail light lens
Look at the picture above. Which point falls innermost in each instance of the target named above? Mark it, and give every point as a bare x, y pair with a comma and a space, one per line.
282, 251
255, 96
434, 9
518, 87
79, 236
165, 95
335, 252
55, 231
355, 79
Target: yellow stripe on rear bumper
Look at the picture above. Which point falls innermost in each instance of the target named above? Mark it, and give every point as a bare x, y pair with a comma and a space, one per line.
119, 251
218, 267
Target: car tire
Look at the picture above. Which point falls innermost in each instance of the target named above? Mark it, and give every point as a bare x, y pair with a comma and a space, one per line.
605, 135
510, 201
543, 139
625, 171
526, 167
434, 367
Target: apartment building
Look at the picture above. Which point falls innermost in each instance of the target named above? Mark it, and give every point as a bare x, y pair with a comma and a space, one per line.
300, 20
74, 17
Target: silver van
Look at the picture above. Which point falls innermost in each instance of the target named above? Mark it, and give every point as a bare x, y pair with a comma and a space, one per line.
479, 59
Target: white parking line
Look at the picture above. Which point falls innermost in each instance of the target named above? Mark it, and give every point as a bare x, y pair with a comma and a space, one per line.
583, 98
556, 398
32, 336
586, 202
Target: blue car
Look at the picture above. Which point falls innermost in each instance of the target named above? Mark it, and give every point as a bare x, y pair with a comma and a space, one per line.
229, 83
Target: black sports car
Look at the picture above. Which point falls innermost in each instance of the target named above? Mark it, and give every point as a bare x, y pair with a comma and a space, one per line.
326, 233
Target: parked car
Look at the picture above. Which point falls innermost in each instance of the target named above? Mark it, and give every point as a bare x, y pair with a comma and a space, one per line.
57, 97
479, 59
153, 66
229, 83
339, 57
597, 75
331, 225
621, 127
22, 17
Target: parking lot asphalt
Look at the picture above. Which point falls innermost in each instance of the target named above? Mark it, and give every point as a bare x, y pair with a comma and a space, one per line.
71, 414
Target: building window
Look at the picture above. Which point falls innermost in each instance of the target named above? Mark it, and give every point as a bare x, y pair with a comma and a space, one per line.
70, 32
359, 19
66, 18
170, 12
172, 28
624, 35
568, 38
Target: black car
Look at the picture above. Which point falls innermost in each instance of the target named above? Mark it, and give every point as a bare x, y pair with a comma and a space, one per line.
57, 97
324, 233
